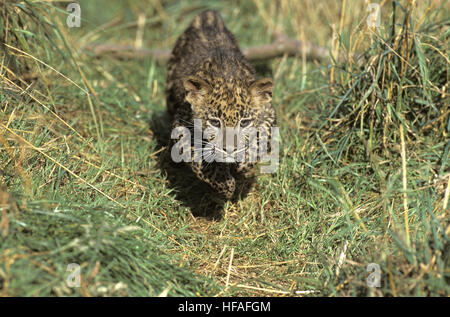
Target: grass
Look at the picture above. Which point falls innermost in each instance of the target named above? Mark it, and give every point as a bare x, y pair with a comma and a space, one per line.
364, 171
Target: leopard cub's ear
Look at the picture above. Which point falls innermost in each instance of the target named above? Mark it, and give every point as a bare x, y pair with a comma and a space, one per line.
261, 90
196, 89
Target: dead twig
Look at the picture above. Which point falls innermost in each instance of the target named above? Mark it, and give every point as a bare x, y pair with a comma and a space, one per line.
282, 45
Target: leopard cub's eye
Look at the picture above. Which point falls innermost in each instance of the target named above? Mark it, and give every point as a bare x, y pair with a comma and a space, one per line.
214, 122
245, 123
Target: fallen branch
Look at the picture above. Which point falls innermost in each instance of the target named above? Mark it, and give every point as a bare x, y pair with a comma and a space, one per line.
282, 45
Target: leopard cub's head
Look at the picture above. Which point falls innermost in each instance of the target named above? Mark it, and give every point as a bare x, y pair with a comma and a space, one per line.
228, 110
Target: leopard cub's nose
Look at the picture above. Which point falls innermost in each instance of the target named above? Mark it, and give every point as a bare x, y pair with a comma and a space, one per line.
230, 140
229, 149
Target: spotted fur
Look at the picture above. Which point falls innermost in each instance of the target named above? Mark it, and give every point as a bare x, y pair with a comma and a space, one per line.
210, 79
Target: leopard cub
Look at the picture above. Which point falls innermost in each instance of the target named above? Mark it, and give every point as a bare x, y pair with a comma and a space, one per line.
212, 89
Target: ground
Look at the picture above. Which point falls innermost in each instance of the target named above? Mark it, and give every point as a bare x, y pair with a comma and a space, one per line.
363, 173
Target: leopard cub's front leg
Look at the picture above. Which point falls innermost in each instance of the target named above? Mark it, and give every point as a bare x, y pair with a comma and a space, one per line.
217, 175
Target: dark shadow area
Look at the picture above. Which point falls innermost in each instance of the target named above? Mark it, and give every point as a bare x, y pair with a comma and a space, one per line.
262, 69
198, 196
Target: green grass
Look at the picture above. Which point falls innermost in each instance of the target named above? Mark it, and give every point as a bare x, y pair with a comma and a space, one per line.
83, 176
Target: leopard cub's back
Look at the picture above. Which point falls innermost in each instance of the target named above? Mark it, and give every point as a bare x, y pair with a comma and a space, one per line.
206, 39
